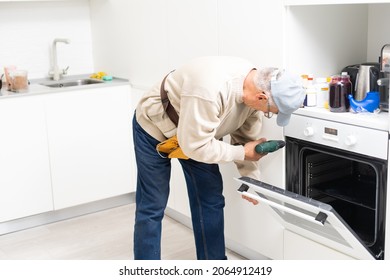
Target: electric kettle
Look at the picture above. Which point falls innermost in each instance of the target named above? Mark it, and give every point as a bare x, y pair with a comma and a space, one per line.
366, 80
366, 84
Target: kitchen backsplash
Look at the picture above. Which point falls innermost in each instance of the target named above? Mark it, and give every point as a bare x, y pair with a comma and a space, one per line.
28, 29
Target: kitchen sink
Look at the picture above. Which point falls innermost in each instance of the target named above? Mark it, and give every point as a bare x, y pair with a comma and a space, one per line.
71, 83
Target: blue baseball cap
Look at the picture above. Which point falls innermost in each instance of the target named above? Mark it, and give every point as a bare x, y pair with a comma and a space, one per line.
288, 94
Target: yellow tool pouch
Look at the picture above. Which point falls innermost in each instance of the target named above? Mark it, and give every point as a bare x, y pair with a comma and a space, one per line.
172, 148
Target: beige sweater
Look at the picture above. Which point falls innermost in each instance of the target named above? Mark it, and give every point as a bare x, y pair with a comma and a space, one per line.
207, 95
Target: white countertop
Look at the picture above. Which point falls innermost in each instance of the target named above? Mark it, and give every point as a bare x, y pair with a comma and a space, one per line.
35, 86
379, 121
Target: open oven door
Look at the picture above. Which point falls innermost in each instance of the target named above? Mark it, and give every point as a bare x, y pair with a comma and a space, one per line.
307, 217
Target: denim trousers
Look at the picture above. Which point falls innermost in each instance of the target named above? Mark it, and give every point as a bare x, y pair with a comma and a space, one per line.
204, 186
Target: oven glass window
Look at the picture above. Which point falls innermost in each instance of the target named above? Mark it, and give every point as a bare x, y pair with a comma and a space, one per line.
349, 186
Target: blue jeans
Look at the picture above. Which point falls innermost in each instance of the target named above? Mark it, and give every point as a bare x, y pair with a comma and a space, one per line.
204, 185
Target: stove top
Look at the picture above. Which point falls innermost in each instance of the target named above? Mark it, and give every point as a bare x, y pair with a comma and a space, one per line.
378, 121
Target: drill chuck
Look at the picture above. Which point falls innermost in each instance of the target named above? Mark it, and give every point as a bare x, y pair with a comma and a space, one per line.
269, 146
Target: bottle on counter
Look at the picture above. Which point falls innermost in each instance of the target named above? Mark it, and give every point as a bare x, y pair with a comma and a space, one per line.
311, 92
322, 87
304, 80
339, 89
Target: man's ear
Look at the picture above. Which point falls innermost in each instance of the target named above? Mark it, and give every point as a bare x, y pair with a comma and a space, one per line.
261, 96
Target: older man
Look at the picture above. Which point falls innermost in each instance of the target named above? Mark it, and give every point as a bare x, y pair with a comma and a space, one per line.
213, 97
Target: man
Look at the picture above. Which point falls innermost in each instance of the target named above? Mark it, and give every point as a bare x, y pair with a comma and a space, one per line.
214, 97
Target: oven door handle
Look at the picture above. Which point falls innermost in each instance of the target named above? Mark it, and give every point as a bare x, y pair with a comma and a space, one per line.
319, 219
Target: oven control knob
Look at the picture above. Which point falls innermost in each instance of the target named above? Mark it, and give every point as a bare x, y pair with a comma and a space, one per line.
308, 131
350, 140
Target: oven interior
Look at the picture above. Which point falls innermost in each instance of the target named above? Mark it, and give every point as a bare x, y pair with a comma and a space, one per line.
353, 185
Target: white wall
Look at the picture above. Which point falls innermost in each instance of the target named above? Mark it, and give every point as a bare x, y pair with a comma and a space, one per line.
158, 35
143, 39
323, 47
27, 31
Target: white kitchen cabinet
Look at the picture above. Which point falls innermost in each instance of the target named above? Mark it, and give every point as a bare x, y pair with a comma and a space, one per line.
249, 229
24, 162
297, 247
89, 134
136, 94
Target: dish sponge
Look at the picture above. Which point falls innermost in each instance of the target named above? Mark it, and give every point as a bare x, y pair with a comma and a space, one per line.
107, 78
98, 75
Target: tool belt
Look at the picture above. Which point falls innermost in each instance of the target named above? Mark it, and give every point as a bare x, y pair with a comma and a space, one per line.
171, 145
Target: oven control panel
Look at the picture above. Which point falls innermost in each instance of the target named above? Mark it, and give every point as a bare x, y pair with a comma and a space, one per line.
342, 136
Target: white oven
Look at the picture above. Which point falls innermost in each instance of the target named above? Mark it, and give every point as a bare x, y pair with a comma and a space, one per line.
336, 181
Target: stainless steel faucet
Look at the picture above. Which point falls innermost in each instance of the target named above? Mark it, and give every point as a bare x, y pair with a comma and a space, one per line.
56, 73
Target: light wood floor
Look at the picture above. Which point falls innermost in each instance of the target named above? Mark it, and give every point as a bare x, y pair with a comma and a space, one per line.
105, 235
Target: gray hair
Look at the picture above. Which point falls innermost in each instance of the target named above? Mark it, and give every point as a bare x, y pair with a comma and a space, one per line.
262, 80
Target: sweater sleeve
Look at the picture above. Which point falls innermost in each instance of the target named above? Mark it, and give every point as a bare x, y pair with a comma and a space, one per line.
199, 120
249, 131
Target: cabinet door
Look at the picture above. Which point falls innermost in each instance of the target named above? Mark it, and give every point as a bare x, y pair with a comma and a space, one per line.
136, 95
248, 227
24, 162
297, 247
89, 144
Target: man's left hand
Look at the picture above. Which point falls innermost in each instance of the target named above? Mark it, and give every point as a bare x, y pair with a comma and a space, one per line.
253, 201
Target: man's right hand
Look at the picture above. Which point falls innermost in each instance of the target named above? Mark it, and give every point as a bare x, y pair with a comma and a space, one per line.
250, 152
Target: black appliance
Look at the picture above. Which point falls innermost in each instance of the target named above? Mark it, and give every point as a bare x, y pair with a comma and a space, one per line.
353, 184
353, 71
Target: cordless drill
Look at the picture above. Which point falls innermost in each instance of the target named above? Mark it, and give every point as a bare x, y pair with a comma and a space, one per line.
263, 148
269, 146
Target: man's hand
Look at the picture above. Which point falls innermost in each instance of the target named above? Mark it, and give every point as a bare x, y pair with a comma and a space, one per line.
250, 152
253, 201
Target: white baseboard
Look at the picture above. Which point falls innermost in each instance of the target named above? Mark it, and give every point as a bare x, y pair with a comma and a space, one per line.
67, 213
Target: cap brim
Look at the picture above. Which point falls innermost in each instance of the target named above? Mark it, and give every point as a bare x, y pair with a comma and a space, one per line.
283, 119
